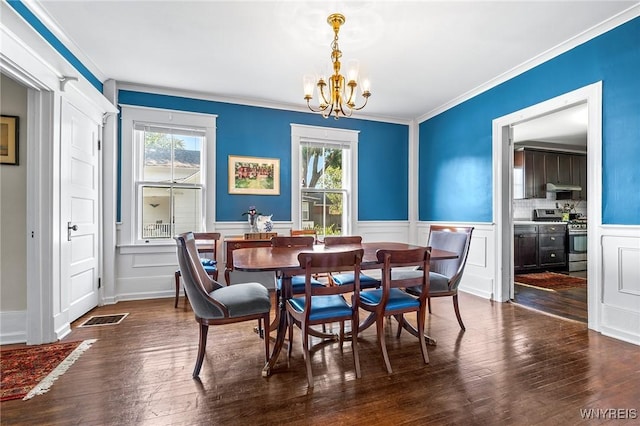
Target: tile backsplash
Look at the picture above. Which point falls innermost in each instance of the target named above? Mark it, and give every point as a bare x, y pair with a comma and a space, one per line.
523, 209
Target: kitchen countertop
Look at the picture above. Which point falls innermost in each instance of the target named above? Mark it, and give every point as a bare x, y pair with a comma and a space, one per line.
534, 222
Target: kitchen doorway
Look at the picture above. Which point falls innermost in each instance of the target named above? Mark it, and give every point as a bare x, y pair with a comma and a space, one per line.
550, 212
504, 192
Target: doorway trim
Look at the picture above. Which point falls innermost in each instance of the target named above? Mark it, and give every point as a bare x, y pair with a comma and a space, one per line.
503, 191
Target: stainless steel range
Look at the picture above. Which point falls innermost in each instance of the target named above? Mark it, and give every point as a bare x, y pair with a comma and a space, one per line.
577, 244
547, 215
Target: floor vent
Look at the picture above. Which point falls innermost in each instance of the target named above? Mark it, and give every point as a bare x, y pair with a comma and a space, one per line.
98, 320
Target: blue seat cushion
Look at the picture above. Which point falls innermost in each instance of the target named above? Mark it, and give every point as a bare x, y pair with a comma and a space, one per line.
348, 278
398, 299
210, 269
297, 283
323, 307
208, 262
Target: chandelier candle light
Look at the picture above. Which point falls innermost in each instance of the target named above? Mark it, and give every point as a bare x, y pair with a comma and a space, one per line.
340, 100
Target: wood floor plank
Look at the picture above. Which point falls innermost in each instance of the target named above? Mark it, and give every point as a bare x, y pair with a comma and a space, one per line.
570, 303
511, 366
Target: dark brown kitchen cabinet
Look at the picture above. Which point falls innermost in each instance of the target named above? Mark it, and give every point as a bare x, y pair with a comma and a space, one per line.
551, 246
525, 248
530, 165
557, 167
579, 176
534, 168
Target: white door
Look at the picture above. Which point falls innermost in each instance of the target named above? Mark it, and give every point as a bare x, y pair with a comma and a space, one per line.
80, 207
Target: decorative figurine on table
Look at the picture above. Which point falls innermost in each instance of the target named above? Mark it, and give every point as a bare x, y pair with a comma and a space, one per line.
251, 218
258, 222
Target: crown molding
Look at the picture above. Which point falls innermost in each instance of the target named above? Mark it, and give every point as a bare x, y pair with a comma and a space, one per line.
591, 33
136, 87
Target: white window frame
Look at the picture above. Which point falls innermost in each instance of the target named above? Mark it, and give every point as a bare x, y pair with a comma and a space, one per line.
132, 155
324, 135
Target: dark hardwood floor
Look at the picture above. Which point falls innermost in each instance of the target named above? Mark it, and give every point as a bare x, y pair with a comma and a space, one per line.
568, 303
512, 366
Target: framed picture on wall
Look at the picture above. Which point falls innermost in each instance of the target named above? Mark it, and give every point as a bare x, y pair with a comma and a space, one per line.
254, 175
9, 139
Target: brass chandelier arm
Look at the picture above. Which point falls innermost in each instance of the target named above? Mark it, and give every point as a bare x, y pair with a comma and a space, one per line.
366, 99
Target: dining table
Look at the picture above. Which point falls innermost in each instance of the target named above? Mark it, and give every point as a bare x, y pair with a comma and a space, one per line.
284, 261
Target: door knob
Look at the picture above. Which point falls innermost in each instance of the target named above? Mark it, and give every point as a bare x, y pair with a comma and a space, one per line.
69, 229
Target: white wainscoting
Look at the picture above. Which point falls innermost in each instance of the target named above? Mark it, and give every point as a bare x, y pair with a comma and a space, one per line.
396, 231
147, 272
620, 292
13, 327
144, 272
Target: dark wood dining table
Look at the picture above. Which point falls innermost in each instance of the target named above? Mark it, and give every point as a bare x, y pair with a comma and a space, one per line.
284, 260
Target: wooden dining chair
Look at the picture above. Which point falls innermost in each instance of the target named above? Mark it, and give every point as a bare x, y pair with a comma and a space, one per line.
326, 304
392, 300
305, 233
445, 275
297, 281
207, 244
217, 304
344, 278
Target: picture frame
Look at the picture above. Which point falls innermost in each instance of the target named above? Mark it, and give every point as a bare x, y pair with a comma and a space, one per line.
9, 125
254, 175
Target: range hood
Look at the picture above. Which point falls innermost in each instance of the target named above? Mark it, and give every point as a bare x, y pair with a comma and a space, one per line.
561, 187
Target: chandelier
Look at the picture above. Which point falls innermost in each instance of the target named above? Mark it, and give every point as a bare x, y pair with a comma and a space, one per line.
337, 96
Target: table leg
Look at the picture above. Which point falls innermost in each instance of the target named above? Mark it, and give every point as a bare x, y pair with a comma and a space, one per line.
281, 314
280, 336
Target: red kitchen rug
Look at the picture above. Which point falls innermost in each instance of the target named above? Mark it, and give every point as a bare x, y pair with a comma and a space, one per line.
550, 281
31, 370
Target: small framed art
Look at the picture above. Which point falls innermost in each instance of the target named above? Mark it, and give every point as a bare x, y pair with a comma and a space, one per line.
254, 175
9, 139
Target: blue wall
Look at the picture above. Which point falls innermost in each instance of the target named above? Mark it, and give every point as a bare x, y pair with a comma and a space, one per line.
263, 132
455, 146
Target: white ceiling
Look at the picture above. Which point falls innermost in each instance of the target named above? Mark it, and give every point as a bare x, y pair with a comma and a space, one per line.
419, 55
567, 126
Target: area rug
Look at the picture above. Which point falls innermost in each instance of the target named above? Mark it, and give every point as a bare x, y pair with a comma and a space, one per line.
550, 281
31, 370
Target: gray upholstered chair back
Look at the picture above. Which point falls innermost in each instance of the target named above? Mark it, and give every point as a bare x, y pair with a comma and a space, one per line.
197, 282
452, 239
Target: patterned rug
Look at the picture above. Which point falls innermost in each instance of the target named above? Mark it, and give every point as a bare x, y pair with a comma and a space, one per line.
550, 281
31, 370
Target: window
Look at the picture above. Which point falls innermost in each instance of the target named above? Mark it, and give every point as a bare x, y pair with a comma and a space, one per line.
165, 192
170, 185
324, 186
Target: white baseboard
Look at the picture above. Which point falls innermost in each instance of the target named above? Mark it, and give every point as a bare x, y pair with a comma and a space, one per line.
13, 327
477, 285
